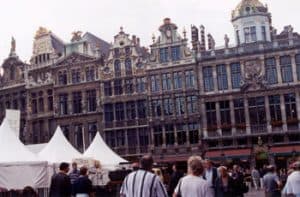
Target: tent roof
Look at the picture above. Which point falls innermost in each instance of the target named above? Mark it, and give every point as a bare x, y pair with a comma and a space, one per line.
59, 149
12, 149
36, 148
99, 150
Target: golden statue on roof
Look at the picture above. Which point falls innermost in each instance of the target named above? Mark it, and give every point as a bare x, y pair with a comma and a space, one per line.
76, 36
41, 32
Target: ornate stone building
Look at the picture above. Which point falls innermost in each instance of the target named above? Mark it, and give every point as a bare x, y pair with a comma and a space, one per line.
236, 102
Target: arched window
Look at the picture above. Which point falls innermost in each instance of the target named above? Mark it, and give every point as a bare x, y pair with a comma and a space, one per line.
128, 66
117, 68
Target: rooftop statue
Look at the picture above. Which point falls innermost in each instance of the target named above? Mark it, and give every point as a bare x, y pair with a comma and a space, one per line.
76, 36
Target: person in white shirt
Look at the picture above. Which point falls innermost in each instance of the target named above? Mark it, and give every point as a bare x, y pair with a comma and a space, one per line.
292, 186
193, 185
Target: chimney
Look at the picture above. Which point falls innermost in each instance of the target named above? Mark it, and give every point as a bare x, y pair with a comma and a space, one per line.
202, 43
138, 42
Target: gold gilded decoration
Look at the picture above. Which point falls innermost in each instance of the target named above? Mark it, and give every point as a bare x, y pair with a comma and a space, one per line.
76, 36
41, 32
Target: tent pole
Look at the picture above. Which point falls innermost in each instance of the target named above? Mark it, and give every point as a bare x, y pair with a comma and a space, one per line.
83, 139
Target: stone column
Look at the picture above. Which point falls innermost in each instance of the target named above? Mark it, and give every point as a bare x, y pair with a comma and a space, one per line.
203, 116
294, 68
70, 100
175, 135
228, 71
201, 85
84, 105
215, 78
278, 68
268, 115
218, 116
231, 104
283, 113
247, 116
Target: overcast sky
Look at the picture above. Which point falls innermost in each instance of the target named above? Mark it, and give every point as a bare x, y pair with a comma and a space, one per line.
21, 18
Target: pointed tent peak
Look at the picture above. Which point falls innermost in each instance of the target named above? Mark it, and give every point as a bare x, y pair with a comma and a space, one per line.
52, 152
99, 150
17, 150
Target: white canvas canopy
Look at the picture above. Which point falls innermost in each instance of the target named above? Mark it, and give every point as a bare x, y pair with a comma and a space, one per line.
99, 150
59, 149
36, 148
18, 166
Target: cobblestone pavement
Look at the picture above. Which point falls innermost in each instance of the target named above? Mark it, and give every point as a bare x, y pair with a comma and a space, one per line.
254, 193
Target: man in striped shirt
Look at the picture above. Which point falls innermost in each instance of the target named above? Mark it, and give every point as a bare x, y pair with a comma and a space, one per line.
143, 183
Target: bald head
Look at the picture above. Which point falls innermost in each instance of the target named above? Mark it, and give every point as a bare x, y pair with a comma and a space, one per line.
146, 162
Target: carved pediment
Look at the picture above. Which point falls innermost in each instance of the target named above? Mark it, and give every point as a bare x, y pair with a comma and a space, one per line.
253, 78
75, 58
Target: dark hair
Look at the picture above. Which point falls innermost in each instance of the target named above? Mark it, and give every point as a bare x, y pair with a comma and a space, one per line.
63, 166
29, 192
146, 162
83, 170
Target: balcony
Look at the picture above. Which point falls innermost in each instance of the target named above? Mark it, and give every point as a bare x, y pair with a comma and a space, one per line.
259, 128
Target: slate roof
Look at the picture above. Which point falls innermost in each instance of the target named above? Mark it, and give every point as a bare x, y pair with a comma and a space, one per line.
96, 42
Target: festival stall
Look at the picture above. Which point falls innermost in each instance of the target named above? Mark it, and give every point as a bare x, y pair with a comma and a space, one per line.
36, 148
18, 166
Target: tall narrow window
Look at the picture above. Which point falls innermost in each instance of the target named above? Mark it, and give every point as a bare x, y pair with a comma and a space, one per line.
263, 33
225, 113
128, 67
180, 105
175, 53
63, 104
235, 69
90, 74
78, 135
130, 110
156, 108
177, 80
297, 60
117, 68
257, 114
193, 133
110, 138
168, 106
208, 79
290, 107
192, 106
239, 113
62, 77
92, 130
107, 88
119, 108
253, 34
275, 111
143, 139
286, 69
222, 77
50, 100
142, 108
91, 100
77, 107
189, 79
76, 76
170, 137
166, 81
271, 71
181, 133
140, 84
129, 86
108, 112
120, 136
158, 136
247, 35
118, 90
211, 115
164, 55
155, 83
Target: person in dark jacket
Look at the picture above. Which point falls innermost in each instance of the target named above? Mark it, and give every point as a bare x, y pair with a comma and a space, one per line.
83, 185
60, 182
239, 183
175, 177
224, 185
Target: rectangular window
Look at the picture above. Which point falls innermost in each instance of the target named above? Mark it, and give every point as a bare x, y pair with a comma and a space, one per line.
208, 79
168, 106
120, 135
170, 137
155, 83
211, 115
130, 110
76, 76
225, 113
50, 100
143, 139
181, 133
166, 81
33, 106
290, 107
91, 100
235, 69
77, 107
142, 108
132, 141
41, 104
297, 60
271, 71
263, 32
253, 34
108, 112
257, 114
222, 77
275, 111
156, 108
189, 79
175, 53
239, 112
158, 136
118, 87
192, 105
119, 108
164, 55
62, 77
180, 108
193, 133
107, 88
247, 35
90, 74
140, 84
177, 80
129, 86
286, 69
66, 131
63, 104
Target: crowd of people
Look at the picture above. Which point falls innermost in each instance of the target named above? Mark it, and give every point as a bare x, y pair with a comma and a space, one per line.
204, 180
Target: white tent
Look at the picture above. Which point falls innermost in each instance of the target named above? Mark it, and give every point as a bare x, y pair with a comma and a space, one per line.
59, 149
99, 150
18, 166
36, 148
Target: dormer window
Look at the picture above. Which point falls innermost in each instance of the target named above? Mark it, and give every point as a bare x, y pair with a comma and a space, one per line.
164, 56
250, 34
175, 53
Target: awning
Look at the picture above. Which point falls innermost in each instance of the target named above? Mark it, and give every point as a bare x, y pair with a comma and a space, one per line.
231, 154
285, 150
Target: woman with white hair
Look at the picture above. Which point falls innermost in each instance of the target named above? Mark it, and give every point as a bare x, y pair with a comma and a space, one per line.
193, 185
